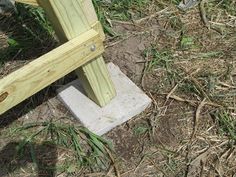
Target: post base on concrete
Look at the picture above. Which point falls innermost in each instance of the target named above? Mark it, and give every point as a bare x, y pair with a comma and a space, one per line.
129, 102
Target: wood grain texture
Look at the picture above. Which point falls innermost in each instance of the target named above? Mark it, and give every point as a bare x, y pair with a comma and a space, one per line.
43, 71
31, 2
70, 18
89, 12
97, 26
96, 73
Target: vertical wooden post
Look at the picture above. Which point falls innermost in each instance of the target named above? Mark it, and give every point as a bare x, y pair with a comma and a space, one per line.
70, 18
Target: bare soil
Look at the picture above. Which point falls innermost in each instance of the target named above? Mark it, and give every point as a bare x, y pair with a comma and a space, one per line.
176, 141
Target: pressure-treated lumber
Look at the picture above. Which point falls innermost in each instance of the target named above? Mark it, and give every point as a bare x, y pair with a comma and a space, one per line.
69, 19
31, 2
89, 12
97, 26
43, 71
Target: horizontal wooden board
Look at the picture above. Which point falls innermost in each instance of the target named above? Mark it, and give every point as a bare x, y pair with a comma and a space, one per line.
31, 2
69, 19
45, 70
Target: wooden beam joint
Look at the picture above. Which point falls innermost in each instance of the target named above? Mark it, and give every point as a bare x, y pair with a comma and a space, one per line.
33, 77
69, 19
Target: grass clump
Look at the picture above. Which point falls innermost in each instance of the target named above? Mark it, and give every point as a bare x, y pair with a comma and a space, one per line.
28, 30
187, 42
164, 59
120, 9
156, 58
226, 123
141, 129
125, 10
85, 148
228, 5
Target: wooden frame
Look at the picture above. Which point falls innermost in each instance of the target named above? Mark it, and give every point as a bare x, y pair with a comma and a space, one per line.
76, 25
30, 2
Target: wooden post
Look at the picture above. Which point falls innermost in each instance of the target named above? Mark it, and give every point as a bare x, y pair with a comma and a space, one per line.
36, 75
71, 18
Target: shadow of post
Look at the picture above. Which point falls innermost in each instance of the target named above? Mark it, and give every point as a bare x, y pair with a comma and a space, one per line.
44, 157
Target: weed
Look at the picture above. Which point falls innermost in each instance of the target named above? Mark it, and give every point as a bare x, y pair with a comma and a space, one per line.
228, 5
141, 129
176, 1
89, 149
188, 87
161, 59
186, 42
157, 58
226, 123
176, 23
118, 10
27, 29
172, 164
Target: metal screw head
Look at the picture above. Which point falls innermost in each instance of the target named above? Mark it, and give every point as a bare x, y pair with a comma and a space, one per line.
93, 48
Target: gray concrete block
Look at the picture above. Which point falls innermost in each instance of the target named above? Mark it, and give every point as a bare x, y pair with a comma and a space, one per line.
130, 101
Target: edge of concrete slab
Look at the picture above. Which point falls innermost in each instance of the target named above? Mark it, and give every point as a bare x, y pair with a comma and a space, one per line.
129, 102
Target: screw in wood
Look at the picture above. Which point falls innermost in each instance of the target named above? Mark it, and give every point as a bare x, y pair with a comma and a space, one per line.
93, 48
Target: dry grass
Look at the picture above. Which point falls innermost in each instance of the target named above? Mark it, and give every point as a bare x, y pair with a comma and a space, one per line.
188, 69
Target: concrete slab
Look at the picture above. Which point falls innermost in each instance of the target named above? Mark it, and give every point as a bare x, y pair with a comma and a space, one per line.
130, 101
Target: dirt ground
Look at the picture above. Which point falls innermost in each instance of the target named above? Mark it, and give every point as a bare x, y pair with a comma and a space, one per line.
187, 69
